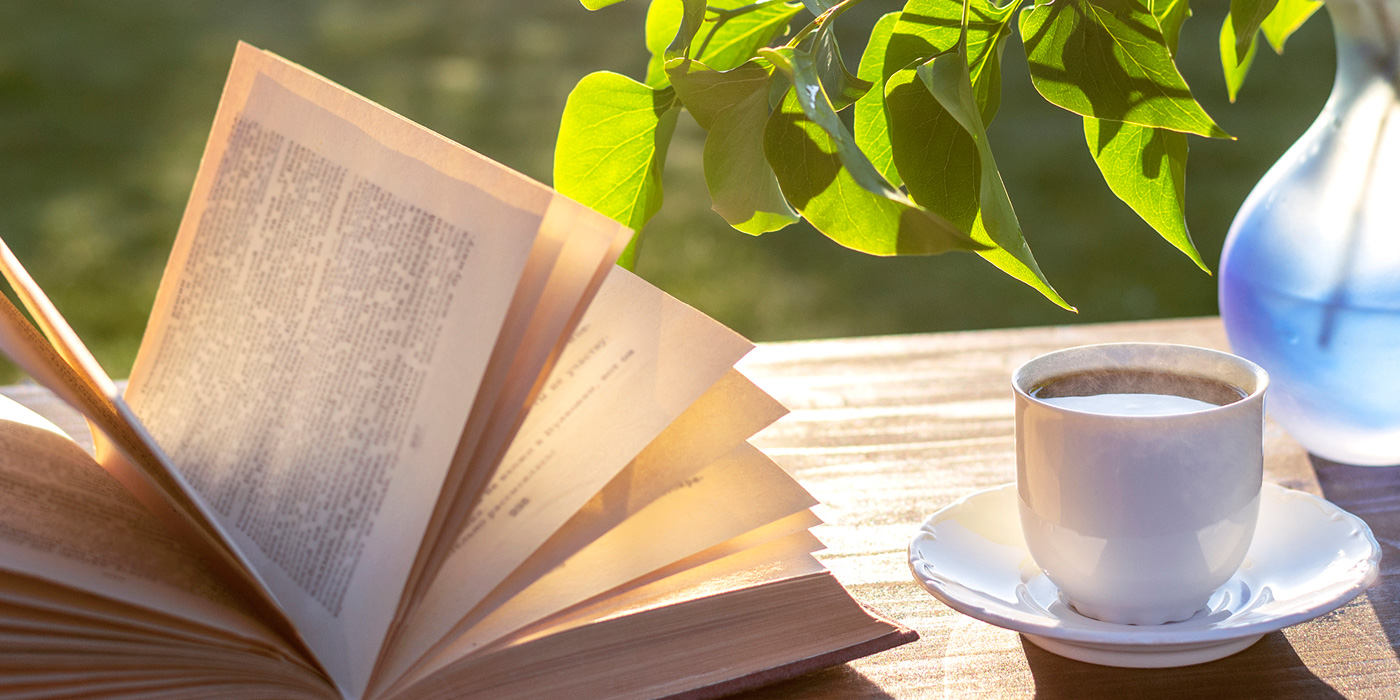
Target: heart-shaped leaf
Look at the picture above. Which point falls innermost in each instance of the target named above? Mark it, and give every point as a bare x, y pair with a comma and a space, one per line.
1108, 59
943, 164
930, 27
872, 125
800, 67
733, 107
707, 92
742, 185
813, 175
612, 146
1146, 168
946, 78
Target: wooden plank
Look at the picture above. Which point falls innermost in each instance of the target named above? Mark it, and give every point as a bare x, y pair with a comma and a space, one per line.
885, 431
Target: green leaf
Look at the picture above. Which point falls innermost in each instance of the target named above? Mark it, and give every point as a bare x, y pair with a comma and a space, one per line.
729, 41
663, 21
1171, 14
1108, 59
1146, 168
872, 126
946, 78
692, 17
727, 38
813, 176
800, 66
1245, 18
939, 158
612, 146
1234, 72
1287, 17
706, 92
733, 107
929, 27
842, 88
598, 4
742, 185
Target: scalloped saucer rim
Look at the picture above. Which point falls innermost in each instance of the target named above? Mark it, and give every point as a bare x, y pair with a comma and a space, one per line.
971, 556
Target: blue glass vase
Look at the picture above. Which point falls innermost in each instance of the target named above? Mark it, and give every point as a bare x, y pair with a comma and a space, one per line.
1310, 274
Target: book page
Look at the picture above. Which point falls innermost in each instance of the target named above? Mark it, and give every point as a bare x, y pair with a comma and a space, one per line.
710, 428
332, 301
43, 598
759, 609
742, 563
122, 446
537, 329
740, 493
67, 369
65, 520
638, 359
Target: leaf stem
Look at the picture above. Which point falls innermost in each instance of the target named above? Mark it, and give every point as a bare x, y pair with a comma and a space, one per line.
737, 11
831, 14
962, 27
705, 43
722, 15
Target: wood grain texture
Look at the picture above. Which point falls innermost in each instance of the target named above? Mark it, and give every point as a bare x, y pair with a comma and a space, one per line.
884, 431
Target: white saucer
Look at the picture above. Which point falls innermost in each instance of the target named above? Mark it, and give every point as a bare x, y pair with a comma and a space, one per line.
1308, 557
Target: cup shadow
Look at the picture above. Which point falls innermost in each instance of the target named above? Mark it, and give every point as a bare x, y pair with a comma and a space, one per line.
1269, 669
1372, 494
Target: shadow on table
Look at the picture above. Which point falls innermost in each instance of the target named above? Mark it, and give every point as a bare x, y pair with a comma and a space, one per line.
1269, 669
836, 682
1373, 494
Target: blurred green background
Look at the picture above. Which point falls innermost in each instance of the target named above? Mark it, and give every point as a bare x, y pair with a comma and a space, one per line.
105, 106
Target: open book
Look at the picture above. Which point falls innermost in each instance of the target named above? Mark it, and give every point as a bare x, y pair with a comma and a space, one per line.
399, 428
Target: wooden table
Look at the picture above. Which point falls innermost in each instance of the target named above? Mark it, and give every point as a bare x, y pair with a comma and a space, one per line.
884, 431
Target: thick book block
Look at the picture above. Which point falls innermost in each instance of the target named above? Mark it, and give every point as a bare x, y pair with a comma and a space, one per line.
399, 428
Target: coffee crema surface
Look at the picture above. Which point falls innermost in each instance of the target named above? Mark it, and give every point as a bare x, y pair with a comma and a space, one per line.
1128, 392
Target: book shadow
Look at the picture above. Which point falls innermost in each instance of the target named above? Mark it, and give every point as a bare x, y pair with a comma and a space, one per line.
1268, 669
1372, 494
835, 682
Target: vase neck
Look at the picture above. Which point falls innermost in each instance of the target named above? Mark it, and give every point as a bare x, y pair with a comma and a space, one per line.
1368, 40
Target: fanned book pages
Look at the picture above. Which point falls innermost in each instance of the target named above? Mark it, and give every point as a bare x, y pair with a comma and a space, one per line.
399, 428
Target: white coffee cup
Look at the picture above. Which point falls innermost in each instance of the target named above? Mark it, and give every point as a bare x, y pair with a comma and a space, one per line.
1139, 518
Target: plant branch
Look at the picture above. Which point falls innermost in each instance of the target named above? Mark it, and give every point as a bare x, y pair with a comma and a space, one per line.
823, 18
705, 43
724, 14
